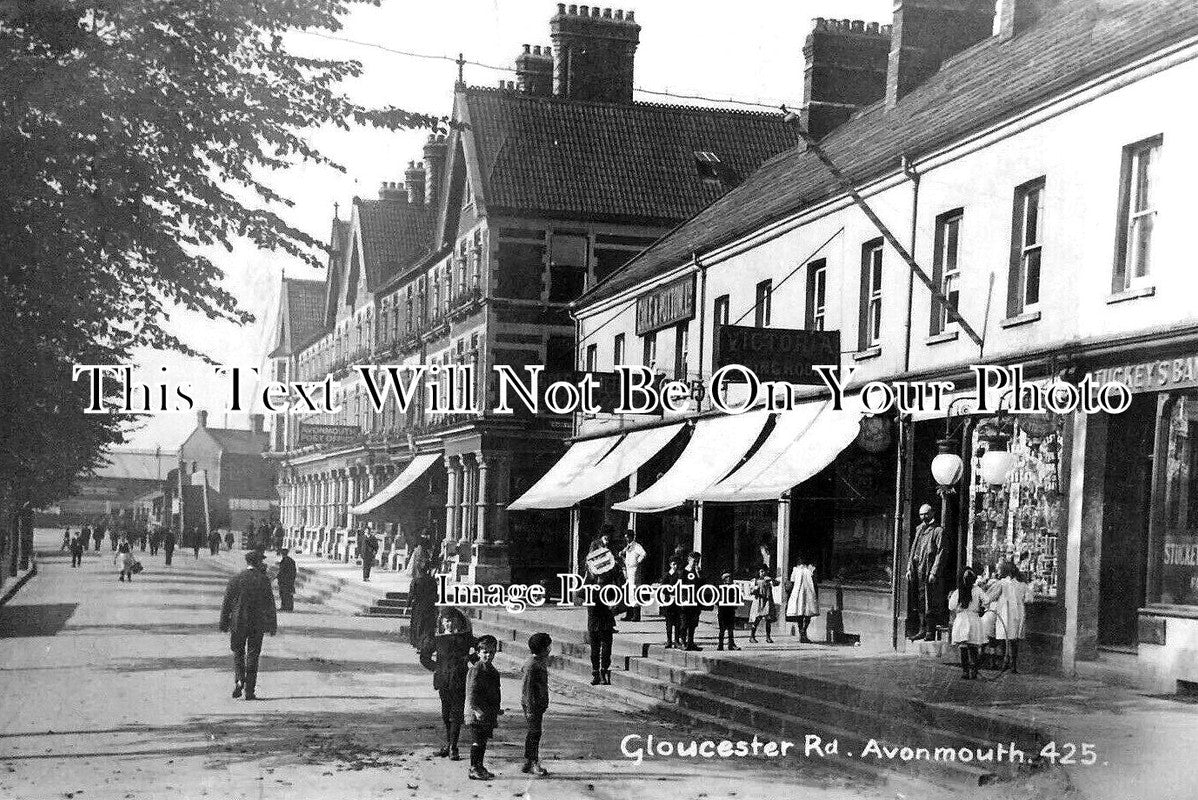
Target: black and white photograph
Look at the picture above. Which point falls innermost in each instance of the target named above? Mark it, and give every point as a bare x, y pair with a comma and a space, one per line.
511, 398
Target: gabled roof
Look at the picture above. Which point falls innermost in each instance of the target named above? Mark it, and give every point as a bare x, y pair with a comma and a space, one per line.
236, 440
620, 161
302, 314
394, 234
1076, 40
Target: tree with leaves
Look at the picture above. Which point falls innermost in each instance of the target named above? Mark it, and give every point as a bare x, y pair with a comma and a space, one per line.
137, 135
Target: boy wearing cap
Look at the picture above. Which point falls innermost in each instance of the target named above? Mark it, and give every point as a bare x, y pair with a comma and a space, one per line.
534, 697
726, 617
482, 705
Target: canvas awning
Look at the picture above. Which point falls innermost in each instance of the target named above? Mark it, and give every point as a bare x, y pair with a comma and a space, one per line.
715, 448
578, 459
620, 461
415, 468
829, 432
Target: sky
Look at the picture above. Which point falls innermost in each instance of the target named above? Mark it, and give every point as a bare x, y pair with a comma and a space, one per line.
750, 51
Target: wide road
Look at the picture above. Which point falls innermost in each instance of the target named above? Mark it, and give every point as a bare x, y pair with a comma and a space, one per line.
122, 690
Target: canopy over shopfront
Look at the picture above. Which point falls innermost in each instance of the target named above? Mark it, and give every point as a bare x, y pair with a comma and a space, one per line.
591, 466
714, 450
415, 468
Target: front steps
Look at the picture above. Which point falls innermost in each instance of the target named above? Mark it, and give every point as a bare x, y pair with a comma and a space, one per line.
743, 698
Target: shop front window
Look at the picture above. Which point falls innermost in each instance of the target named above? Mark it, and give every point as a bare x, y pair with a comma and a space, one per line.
1178, 556
1022, 519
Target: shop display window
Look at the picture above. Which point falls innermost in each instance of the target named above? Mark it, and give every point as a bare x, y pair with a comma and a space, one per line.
1177, 557
1022, 519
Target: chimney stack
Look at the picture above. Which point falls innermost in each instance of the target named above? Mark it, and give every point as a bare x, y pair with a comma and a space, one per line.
846, 62
593, 53
391, 190
534, 71
1016, 16
414, 178
201, 419
435, 151
926, 33
258, 423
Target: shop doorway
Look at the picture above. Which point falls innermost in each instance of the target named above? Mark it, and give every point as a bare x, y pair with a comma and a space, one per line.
1126, 505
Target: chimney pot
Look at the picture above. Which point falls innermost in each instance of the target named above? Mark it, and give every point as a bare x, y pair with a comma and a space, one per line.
202, 419
594, 60
573, 10
820, 23
548, 51
858, 26
536, 50
258, 423
871, 27
594, 11
630, 16
927, 33
607, 13
584, 11
561, 8
527, 49
844, 71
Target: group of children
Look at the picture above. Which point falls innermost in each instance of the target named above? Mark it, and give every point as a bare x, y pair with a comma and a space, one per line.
993, 613
468, 683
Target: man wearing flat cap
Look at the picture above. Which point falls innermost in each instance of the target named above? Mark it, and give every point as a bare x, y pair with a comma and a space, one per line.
924, 571
247, 615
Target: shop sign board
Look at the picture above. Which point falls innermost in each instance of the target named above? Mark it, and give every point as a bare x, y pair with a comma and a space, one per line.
666, 305
777, 354
1151, 376
310, 433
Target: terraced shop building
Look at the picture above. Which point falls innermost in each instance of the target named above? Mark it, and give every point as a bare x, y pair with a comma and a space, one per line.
1037, 168
542, 188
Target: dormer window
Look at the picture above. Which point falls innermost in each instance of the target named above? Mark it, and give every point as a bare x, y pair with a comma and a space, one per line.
714, 172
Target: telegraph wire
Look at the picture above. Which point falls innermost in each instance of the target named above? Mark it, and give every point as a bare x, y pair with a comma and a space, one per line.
512, 71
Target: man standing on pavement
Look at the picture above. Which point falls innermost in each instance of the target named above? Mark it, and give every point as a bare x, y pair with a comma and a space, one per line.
286, 579
77, 551
214, 542
248, 614
924, 571
168, 545
368, 547
632, 554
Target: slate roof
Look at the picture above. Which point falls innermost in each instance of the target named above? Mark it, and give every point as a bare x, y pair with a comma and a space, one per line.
1077, 40
305, 310
236, 440
620, 161
394, 234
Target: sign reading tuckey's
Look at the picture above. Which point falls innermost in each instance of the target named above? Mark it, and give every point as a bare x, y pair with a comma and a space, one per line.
1152, 376
777, 354
666, 305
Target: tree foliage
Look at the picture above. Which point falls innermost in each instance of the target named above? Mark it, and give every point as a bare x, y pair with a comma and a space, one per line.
135, 135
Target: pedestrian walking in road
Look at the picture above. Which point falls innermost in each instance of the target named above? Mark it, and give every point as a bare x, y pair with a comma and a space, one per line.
168, 545
214, 543
229, 539
66, 539
124, 554
804, 598
248, 614
692, 574
155, 539
482, 706
368, 548
763, 607
966, 601
534, 698
601, 620
248, 537
725, 615
286, 579
672, 612
279, 536
85, 534
98, 536
77, 551
195, 538
113, 535
144, 536
454, 652
631, 558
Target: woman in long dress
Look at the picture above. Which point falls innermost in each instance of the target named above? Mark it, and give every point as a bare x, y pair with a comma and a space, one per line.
1007, 598
967, 601
763, 604
804, 601
124, 554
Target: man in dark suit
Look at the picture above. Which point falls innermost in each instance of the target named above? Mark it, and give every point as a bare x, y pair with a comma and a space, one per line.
247, 615
286, 579
368, 548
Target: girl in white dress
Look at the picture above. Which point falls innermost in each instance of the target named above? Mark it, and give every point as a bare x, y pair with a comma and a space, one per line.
804, 602
967, 601
1007, 598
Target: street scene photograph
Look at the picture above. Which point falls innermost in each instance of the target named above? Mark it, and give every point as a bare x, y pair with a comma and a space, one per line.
511, 398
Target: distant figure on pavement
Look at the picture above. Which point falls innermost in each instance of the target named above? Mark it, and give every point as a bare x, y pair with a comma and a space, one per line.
124, 554
368, 548
144, 536
279, 536
419, 557
247, 615
66, 539
631, 557
263, 541
248, 537
77, 551
155, 540
214, 543
422, 613
168, 545
286, 579
86, 535
195, 538
113, 534
229, 539
98, 536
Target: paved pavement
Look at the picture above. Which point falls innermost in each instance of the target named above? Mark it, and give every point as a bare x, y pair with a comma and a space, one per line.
122, 690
